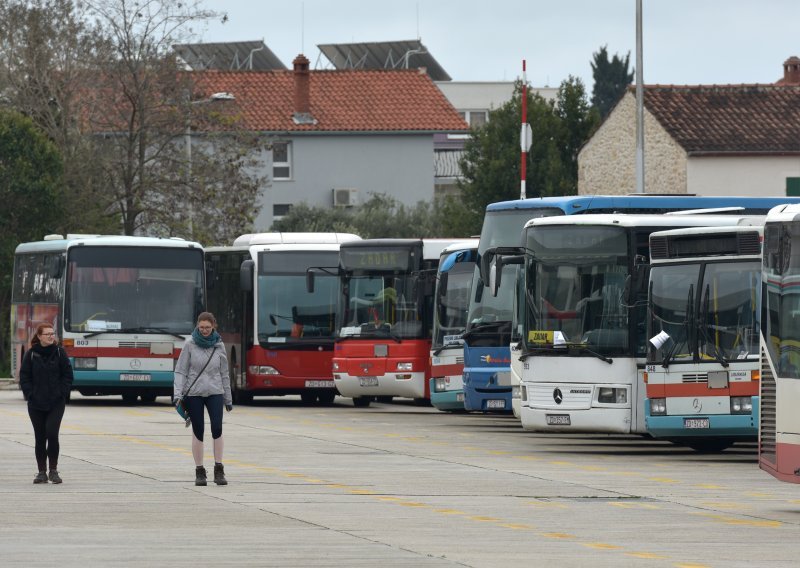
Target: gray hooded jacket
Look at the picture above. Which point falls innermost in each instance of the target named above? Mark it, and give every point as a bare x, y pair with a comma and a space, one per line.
214, 380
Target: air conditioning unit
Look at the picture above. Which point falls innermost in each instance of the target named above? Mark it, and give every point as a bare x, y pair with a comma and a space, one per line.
344, 196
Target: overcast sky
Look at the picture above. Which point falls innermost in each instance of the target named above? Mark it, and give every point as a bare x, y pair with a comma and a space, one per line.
685, 41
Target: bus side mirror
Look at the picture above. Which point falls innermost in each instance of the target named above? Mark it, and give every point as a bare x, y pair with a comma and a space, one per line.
246, 272
484, 268
495, 274
443, 277
310, 281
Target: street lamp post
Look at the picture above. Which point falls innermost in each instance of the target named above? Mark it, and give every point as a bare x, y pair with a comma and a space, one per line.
223, 96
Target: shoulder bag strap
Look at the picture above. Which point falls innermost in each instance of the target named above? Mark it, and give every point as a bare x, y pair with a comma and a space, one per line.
201, 371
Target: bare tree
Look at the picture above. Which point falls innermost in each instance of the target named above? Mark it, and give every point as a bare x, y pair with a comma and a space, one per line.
145, 109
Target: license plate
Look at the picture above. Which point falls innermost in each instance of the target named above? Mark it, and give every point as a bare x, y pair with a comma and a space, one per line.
319, 384
460, 397
368, 381
132, 377
696, 423
558, 420
495, 404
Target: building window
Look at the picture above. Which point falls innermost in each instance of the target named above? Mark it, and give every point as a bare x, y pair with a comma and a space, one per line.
281, 160
792, 187
475, 118
281, 209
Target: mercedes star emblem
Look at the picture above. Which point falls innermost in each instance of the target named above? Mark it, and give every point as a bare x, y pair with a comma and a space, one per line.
558, 396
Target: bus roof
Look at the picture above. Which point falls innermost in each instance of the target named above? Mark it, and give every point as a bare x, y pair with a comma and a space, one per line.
623, 220
294, 238
572, 204
466, 244
700, 231
784, 213
431, 248
64, 243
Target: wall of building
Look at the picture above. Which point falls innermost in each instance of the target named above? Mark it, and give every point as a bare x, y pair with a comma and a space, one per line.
757, 176
607, 162
400, 165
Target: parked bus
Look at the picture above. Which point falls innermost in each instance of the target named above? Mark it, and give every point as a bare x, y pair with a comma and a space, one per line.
703, 369
451, 302
488, 383
779, 428
386, 318
584, 341
121, 306
278, 335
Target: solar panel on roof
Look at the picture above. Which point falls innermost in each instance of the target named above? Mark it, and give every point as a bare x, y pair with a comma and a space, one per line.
229, 56
411, 54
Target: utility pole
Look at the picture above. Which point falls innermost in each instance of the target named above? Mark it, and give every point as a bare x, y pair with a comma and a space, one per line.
525, 136
639, 102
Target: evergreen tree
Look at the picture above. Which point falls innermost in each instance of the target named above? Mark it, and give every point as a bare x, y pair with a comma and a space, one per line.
610, 80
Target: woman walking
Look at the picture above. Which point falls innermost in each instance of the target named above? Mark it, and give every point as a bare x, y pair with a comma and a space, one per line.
202, 380
45, 377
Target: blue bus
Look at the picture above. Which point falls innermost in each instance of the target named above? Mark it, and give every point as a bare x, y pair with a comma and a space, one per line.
488, 382
451, 301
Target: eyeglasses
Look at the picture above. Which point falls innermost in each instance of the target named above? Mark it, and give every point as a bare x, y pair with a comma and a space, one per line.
51, 334
204, 328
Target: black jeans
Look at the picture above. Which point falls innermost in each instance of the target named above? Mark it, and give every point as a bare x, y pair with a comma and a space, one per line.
213, 403
46, 424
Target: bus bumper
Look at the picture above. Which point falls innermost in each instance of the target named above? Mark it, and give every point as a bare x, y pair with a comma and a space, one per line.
115, 382
487, 390
384, 385
606, 420
447, 400
743, 427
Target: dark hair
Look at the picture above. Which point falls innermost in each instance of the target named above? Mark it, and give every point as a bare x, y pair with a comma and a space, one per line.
42, 326
209, 317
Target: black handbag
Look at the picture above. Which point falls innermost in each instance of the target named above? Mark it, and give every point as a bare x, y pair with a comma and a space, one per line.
180, 407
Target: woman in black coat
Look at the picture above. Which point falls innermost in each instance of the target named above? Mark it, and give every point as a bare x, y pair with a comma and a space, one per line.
45, 378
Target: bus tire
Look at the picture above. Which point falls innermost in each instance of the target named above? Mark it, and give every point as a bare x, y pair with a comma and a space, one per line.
385, 399
710, 446
362, 401
326, 398
148, 398
422, 402
129, 398
308, 397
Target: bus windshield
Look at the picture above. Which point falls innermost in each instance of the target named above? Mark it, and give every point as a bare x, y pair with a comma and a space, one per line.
575, 277
725, 296
382, 305
133, 288
287, 312
450, 320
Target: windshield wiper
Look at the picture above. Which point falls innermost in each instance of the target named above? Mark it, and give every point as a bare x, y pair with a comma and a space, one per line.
686, 331
566, 348
483, 326
136, 330
447, 345
371, 333
583, 347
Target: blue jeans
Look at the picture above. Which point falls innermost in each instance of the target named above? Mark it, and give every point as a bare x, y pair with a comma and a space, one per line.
213, 403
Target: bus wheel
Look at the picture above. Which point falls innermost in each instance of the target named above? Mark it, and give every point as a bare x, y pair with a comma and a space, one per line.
129, 398
385, 399
710, 446
148, 398
362, 401
308, 397
422, 402
242, 397
326, 398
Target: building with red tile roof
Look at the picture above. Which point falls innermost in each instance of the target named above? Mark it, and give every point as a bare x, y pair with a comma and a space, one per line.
702, 139
337, 136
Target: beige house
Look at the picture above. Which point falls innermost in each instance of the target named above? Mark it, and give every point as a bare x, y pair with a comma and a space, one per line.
701, 139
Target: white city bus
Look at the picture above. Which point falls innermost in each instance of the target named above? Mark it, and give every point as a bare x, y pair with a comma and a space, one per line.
702, 375
583, 326
779, 427
279, 336
121, 306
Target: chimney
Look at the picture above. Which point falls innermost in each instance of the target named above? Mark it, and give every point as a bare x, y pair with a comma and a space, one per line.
302, 102
791, 71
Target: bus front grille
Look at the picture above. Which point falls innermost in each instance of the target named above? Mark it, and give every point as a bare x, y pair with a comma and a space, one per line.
694, 378
135, 344
766, 430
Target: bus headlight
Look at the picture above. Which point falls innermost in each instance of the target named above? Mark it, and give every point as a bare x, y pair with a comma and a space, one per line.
658, 406
85, 363
741, 405
612, 395
524, 393
335, 366
515, 392
262, 370
405, 366
439, 384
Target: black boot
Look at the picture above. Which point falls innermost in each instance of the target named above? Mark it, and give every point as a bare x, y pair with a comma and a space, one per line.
41, 477
200, 475
219, 474
54, 477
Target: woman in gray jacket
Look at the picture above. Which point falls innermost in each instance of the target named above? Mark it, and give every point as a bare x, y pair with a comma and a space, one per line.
202, 380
